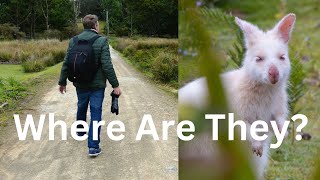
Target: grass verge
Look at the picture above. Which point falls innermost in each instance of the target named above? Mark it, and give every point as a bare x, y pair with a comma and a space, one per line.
155, 57
19, 88
34, 55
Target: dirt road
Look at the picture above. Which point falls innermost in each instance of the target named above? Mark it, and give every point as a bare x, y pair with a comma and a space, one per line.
126, 159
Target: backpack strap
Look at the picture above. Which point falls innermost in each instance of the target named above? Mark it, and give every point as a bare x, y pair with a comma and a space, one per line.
75, 39
92, 40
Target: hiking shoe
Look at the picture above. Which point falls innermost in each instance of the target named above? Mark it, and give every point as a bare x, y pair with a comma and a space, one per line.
93, 152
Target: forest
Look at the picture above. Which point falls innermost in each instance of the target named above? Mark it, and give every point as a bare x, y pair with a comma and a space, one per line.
59, 18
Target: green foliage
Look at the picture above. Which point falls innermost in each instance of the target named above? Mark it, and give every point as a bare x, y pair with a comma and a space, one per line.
197, 46
51, 34
141, 58
16, 85
38, 64
69, 31
126, 17
58, 56
156, 57
34, 65
5, 57
10, 91
9, 32
64, 33
34, 55
253, 10
129, 50
146, 17
93, 7
14, 88
117, 17
235, 54
60, 14
29, 17
144, 43
165, 67
296, 88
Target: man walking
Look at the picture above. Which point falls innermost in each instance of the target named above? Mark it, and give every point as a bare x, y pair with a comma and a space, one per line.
88, 65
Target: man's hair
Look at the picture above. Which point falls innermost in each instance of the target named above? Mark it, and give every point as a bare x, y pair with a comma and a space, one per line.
89, 21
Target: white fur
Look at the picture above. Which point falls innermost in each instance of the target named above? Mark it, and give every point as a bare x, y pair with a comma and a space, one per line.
250, 93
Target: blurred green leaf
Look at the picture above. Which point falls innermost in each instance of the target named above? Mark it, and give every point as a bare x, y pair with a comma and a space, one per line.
196, 37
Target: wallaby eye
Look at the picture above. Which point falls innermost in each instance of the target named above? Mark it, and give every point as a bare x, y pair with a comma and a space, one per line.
282, 57
259, 59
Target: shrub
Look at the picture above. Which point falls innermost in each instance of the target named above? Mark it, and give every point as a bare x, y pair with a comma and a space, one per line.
121, 31
48, 60
21, 56
138, 56
58, 56
142, 59
129, 50
14, 88
11, 89
51, 34
50, 52
121, 44
145, 43
156, 57
5, 57
33, 65
165, 67
9, 32
69, 31
157, 43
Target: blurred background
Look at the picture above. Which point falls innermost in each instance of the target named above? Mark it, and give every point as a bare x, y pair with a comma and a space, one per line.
293, 159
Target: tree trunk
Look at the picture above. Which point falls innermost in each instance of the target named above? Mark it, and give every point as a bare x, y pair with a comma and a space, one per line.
33, 21
131, 33
47, 17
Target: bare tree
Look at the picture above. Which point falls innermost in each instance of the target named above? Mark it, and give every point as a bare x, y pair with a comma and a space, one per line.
17, 17
45, 11
76, 10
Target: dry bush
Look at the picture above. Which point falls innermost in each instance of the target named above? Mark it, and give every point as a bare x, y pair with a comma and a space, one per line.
145, 43
33, 53
156, 57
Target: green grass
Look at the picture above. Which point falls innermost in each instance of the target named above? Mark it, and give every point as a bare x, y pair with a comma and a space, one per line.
24, 86
17, 72
31, 65
298, 161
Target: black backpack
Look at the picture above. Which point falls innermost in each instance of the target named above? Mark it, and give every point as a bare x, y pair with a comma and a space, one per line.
81, 63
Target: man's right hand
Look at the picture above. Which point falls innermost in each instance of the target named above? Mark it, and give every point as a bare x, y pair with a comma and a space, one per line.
117, 91
62, 89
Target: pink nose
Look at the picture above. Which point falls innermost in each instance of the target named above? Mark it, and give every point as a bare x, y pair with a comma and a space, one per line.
273, 74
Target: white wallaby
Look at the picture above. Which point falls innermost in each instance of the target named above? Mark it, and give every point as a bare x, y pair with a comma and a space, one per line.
257, 90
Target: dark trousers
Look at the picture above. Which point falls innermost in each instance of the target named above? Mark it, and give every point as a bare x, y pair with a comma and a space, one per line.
95, 97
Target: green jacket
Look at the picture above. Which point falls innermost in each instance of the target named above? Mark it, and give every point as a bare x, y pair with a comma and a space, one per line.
102, 54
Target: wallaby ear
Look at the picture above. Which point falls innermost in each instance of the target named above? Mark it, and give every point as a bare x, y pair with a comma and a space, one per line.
284, 28
250, 31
